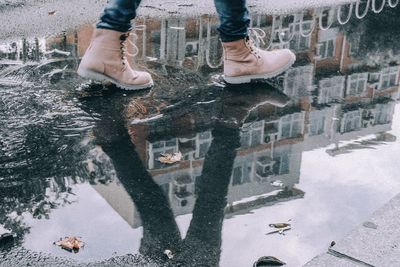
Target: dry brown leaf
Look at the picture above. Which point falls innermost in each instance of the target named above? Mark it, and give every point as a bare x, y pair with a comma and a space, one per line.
170, 158
279, 225
70, 243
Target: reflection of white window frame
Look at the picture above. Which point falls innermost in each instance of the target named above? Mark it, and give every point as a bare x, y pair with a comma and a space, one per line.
389, 75
317, 123
323, 49
326, 40
295, 43
383, 113
163, 148
297, 77
355, 79
331, 89
291, 120
243, 173
293, 30
355, 120
251, 129
204, 138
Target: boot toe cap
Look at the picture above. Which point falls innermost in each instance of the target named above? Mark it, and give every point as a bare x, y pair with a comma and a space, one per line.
142, 78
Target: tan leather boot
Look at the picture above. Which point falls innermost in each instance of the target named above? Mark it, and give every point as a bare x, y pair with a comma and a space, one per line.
105, 60
244, 62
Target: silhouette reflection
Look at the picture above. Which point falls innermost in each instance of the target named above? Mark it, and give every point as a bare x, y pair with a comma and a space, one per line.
242, 147
202, 244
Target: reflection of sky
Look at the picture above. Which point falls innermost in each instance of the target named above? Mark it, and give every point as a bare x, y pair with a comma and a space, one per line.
340, 193
103, 230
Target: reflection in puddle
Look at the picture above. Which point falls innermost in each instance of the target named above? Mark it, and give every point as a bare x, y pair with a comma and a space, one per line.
246, 161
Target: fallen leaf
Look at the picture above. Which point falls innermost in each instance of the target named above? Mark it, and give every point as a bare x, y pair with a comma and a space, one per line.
70, 243
170, 158
279, 225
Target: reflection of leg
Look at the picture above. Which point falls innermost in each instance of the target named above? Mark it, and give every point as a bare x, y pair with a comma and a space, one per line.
204, 234
159, 227
118, 14
234, 19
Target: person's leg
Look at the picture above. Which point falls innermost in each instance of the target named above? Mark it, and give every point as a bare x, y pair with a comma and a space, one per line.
105, 59
243, 61
118, 14
234, 19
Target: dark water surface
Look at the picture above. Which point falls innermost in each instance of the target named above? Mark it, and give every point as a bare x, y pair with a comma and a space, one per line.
80, 159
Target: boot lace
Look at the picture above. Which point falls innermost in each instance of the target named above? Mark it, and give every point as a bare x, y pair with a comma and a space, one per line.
124, 39
253, 40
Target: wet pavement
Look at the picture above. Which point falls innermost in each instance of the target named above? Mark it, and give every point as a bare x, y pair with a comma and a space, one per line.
316, 148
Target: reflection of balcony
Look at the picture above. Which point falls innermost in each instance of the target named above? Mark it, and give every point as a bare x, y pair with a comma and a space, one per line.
182, 188
264, 168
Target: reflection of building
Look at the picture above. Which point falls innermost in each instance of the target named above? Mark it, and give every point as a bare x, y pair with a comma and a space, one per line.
334, 98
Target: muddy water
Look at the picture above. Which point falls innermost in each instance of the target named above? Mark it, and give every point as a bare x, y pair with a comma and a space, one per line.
79, 158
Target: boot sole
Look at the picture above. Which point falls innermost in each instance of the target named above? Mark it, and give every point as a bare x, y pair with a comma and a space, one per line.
88, 74
249, 78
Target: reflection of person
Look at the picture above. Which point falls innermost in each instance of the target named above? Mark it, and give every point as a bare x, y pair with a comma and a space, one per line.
105, 58
202, 244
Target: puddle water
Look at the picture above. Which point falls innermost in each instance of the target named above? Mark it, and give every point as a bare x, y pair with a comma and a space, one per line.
82, 159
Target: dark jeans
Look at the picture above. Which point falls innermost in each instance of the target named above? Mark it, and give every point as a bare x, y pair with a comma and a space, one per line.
233, 15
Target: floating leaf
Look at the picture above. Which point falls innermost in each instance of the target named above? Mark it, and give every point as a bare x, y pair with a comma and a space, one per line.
70, 243
279, 225
170, 158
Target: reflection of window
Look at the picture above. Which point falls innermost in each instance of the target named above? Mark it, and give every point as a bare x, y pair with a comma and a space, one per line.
298, 80
292, 125
300, 43
204, 142
282, 165
331, 89
351, 121
326, 49
241, 175
326, 43
389, 77
203, 149
357, 83
317, 123
383, 113
253, 135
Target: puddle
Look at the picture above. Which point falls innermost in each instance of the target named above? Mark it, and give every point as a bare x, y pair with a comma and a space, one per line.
323, 163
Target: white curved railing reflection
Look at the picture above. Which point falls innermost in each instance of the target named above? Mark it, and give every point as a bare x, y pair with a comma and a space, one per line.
374, 6
282, 30
312, 27
339, 14
365, 12
393, 3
